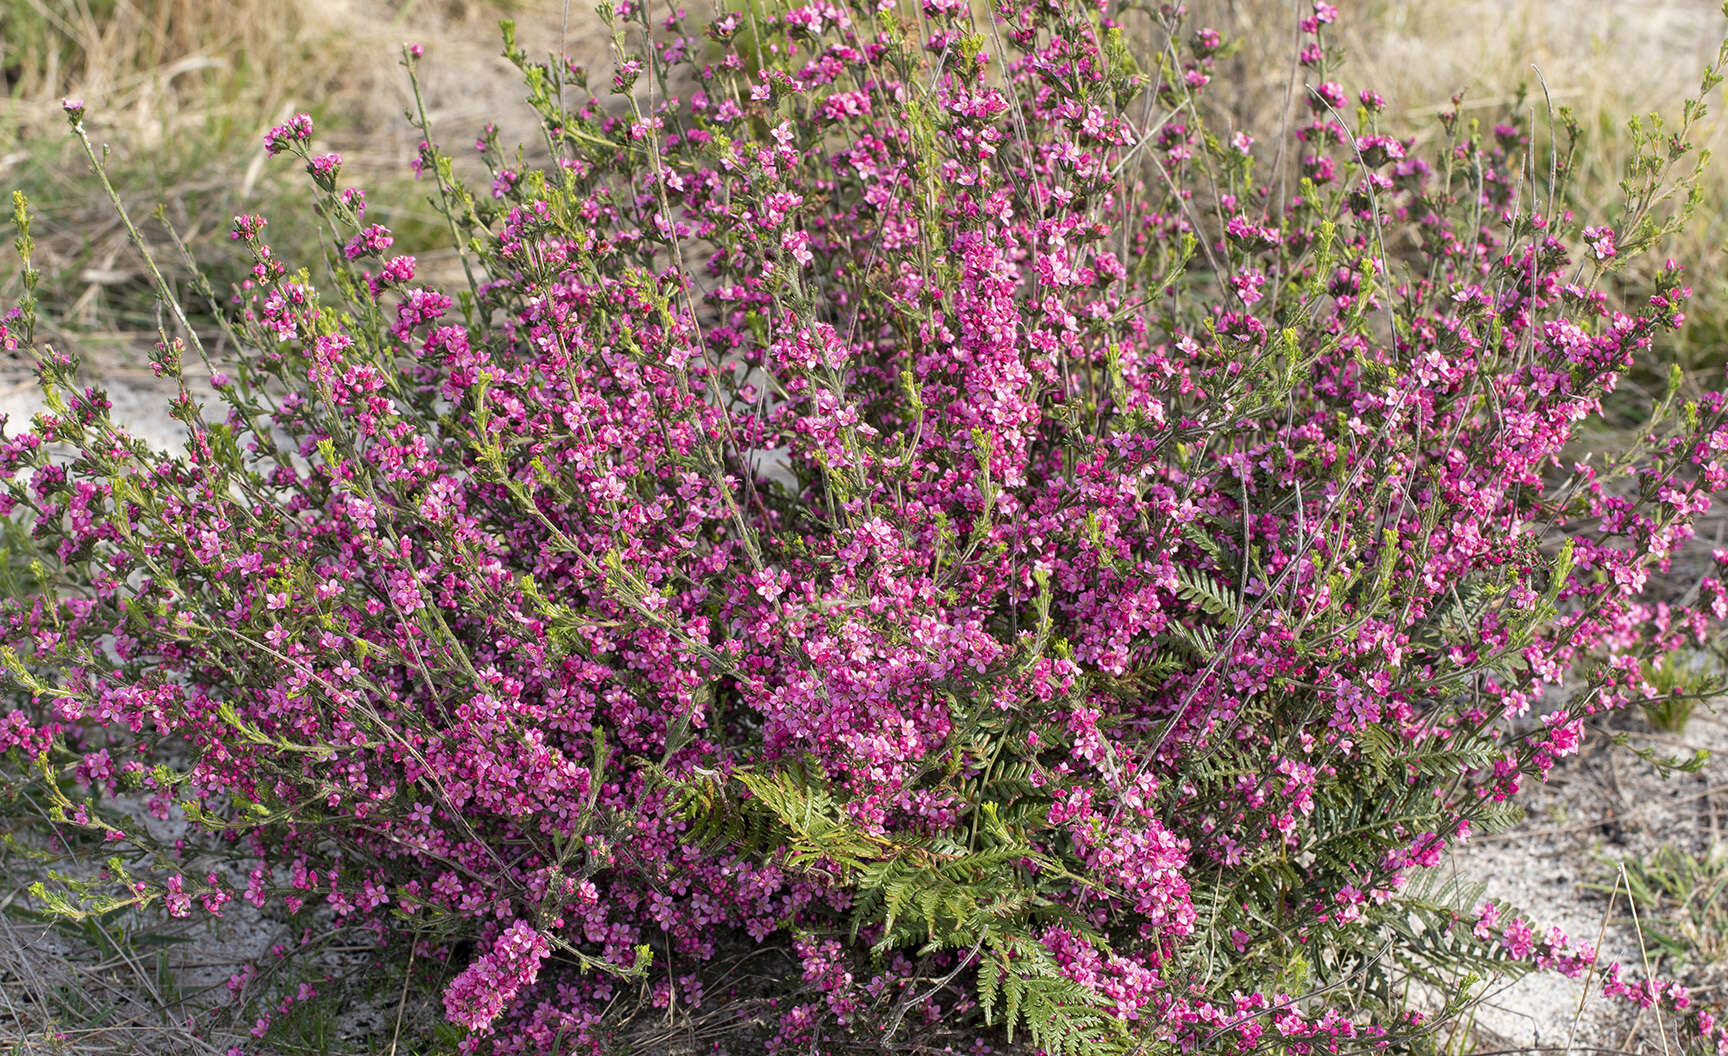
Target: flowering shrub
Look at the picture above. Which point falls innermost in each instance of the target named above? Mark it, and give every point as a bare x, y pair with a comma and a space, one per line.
911, 493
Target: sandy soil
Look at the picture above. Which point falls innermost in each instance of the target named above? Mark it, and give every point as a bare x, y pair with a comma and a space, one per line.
1561, 864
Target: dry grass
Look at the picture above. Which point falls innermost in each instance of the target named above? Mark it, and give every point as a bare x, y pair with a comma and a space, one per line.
180, 92
1604, 60
136, 981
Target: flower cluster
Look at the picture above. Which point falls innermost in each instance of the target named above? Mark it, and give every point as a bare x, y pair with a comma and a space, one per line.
297, 130
493, 980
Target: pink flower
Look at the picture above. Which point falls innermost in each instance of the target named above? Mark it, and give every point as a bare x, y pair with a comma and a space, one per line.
1600, 242
298, 129
797, 243
482, 991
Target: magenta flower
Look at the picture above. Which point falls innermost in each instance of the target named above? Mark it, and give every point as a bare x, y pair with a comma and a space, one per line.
477, 996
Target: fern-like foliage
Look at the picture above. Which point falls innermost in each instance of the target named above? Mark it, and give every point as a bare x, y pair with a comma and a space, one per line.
927, 894
1021, 986
1207, 592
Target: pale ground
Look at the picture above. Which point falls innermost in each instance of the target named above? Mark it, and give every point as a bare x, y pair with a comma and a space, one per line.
1560, 866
